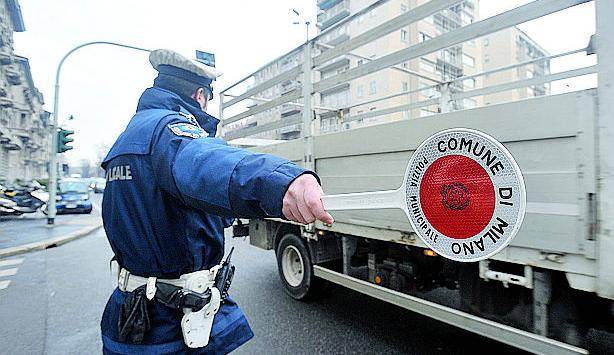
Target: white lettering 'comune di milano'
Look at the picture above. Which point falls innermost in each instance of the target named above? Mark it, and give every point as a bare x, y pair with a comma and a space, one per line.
120, 172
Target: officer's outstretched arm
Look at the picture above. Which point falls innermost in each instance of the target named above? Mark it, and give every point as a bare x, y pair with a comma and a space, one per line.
206, 173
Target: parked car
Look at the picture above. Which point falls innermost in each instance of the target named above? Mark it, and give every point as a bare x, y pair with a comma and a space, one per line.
98, 184
73, 197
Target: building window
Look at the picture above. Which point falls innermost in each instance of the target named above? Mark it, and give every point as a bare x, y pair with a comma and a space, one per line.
23, 119
359, 91
529, 74
404, 36
427, 66
405, 115
372, 88
360, 61
405, 86
468, 60
373, 12
423, 37
403, 8
372, 108
405, 65
486, 58
361, 18
486, 42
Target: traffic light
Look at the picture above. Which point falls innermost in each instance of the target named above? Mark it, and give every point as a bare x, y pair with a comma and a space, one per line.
63, 140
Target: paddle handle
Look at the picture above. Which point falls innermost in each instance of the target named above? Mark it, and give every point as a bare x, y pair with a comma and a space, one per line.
364, 200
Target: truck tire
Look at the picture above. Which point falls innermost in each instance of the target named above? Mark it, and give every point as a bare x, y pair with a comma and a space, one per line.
296, 269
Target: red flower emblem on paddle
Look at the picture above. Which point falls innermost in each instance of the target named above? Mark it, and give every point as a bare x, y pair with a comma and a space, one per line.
455, 196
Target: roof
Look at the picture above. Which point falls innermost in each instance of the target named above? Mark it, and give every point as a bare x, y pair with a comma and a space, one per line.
16, 17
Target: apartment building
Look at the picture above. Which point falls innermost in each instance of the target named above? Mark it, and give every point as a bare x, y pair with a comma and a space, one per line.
424, 72
24, 125
356, 103
508, 47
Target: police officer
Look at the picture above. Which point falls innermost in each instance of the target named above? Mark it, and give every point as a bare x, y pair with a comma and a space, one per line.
172, 188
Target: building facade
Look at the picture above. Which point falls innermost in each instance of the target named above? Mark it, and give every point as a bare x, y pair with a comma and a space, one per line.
24, 125
355, 103
508, 47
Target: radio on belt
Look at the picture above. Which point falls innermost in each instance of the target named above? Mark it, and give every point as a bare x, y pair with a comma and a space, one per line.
463, 194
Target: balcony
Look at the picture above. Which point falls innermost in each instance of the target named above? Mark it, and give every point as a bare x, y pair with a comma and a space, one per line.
291, 132
336, 89
288, 86
338, 40
288, 62
11, 142
13, 76
289, 110
6, 58
12, 146
334, 64
327, 4
333, 15
6, 102
23, 134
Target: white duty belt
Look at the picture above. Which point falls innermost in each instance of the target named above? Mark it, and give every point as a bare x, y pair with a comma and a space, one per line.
196, 326
198, 281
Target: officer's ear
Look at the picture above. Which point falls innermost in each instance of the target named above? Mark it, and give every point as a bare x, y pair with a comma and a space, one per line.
201, 97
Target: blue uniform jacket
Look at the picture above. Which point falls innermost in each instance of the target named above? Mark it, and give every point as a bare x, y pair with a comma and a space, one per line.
171, 190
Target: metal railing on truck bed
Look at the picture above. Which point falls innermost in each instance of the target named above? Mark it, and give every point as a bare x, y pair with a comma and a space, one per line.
256, 105
259, 116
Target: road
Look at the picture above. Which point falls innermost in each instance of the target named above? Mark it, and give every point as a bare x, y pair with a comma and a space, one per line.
55, 298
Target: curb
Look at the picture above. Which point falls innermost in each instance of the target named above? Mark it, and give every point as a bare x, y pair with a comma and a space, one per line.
44, 244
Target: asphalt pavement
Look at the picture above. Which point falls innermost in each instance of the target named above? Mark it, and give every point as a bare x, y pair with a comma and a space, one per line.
55, 298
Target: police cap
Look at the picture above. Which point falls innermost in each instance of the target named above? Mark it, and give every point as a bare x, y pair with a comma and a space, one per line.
172, 63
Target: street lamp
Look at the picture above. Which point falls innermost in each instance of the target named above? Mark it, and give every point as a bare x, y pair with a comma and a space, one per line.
53, 173
306, 23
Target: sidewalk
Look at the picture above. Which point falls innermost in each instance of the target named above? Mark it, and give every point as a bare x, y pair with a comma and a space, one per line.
31, 232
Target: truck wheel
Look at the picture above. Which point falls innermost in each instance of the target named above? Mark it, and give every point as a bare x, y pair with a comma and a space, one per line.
295, 268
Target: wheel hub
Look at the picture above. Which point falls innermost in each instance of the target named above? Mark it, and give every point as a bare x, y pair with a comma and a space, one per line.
292, 266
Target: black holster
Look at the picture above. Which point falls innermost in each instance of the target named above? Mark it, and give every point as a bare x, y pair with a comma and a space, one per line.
133, 320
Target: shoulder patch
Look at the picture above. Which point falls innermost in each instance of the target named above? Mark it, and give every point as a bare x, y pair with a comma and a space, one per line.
187, 130
189, 117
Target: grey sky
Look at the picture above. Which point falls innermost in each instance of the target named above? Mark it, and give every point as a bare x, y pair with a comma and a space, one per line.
101, 85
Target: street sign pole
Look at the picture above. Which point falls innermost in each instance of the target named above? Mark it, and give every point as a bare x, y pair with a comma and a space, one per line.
53, 151
53, 167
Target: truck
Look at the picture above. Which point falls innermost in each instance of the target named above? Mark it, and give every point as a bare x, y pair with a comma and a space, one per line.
552, 289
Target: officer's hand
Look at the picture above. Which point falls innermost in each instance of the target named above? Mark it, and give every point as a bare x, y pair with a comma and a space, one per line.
303, 201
